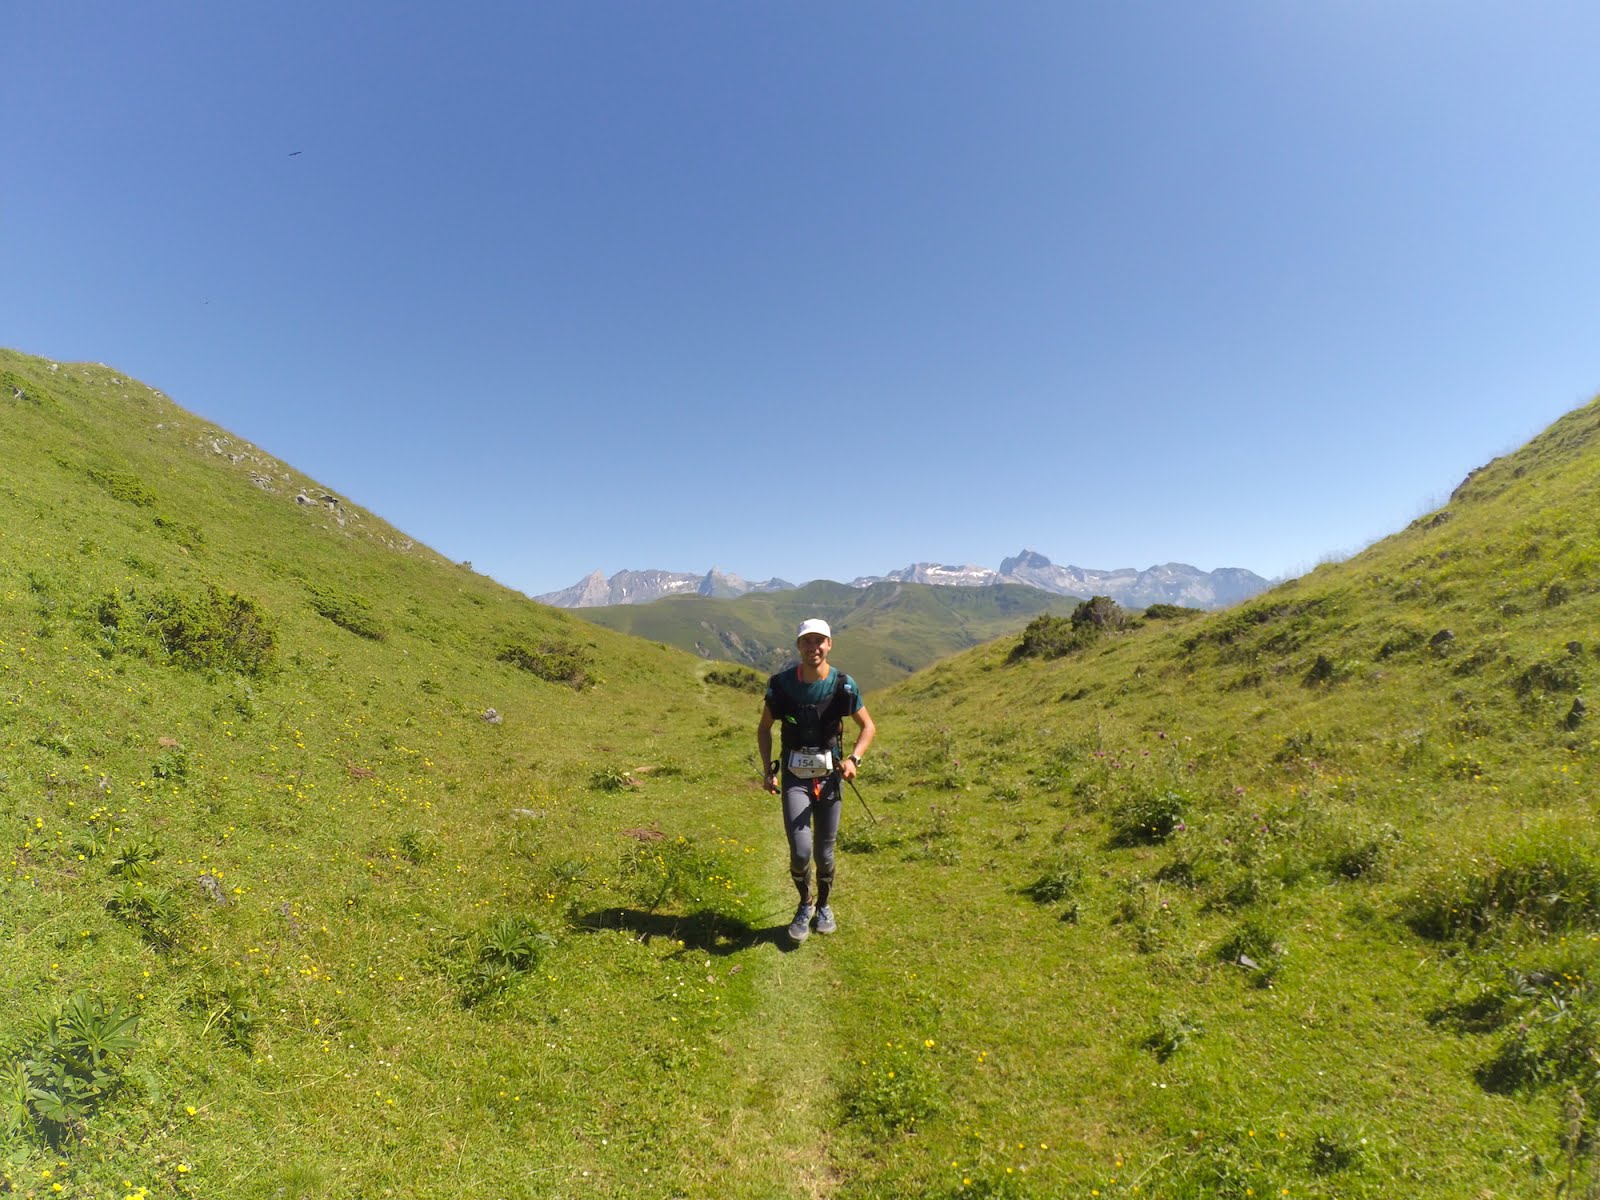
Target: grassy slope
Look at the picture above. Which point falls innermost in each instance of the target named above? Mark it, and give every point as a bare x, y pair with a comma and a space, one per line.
1312, 734
892, 629
957, 1038
358, 811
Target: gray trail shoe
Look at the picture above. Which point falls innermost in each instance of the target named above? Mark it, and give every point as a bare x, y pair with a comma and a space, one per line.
800, 927
825, 921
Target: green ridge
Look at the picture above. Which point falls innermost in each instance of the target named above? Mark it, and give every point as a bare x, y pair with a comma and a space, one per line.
886, 630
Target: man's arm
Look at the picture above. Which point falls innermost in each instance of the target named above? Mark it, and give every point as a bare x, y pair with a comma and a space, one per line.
764, 748
865, 732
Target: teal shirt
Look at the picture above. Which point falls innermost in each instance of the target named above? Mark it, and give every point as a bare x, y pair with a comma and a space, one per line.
795, 704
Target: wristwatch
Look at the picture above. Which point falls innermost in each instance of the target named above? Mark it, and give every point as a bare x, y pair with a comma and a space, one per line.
855, 758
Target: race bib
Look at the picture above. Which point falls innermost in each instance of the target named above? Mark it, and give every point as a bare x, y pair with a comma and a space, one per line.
810, 764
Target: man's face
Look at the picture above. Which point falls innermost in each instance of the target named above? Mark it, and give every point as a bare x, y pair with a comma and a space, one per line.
814, 649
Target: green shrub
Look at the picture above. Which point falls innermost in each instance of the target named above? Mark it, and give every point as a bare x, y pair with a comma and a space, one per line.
1047, 637
216, 630
554, 661
486, 964
65, 1069
121, 485
1360, 853
171, 764
1100, 612
1148, 817
153, 911
1171, 612
739, 678
1551, 1043
1550, 675
132, 859
190, 537
1059, 881
611, 779
347, 611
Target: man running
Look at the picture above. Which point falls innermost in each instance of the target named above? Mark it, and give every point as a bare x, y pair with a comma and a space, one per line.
810, 702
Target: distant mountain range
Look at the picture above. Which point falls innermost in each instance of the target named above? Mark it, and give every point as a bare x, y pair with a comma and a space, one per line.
1168, 583
640, 587
885, 630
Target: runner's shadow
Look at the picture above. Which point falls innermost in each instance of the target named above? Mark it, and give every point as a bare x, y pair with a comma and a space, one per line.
706, 931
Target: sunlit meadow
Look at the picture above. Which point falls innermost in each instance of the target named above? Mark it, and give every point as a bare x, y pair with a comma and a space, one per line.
333, 869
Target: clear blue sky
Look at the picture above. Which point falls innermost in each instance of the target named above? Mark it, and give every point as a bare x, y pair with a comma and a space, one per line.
819, 289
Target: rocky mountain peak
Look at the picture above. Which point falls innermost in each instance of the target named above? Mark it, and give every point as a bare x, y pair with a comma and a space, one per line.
1027, 559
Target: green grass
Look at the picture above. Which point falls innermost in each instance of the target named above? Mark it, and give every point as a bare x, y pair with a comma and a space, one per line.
371, 941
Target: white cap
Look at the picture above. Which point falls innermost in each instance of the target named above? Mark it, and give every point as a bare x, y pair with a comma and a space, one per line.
813, 625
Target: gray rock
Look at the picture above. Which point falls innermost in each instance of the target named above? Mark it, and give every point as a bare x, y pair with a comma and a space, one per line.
212, 887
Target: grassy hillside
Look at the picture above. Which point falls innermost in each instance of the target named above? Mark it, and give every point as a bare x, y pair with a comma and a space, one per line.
372, 938
1300, 899
884, 632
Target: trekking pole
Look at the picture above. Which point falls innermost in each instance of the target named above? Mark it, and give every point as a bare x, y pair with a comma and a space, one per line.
859, 797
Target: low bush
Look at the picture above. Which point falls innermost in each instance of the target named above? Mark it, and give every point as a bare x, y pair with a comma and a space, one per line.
65, 1069
611, 779
1551, 1043
1360, 852
185, 533
1100, 612
153, 911
1148, 817
215, 630
1561, 674
1048, 637
553, 661
1171, 612
347, 611
1060, 880
484, 965
741, 679
122, 485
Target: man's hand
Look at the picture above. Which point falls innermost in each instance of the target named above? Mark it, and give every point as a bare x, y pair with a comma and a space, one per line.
848, 768
771, 782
